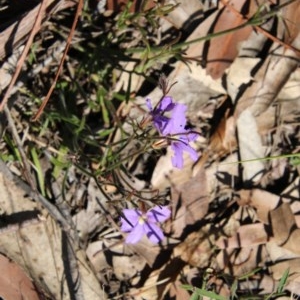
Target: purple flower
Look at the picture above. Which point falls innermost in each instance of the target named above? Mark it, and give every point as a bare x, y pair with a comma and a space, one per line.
137, 223
180, 136
173, 127
157, 113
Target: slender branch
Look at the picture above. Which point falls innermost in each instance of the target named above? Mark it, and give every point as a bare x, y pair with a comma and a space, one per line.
35, 29
45, 101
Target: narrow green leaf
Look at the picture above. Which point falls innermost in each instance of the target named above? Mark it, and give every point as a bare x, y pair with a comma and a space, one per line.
283, 281
38, 170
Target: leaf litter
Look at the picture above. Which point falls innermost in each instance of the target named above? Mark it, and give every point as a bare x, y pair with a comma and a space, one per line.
234, 227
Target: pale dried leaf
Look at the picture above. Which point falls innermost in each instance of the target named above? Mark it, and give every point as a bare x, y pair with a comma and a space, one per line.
226, 171
22, 25
293, 265
284, 228
12, 198
239, 74
277, 253
250, 146
128, 77
96, 255
261, 200
126, 267
119, 5
191, 199
265, 285
282, 221
146, 249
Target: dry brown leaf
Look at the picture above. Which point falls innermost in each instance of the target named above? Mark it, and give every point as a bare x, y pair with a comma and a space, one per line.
293, 265
277, 253
191, 200
282, 221
148, 291
223, 49
177, 292
126, 267
280, 267
239, 74
246, 236
14, 283
96, 255
261, 200
197, 248
290, 21
265, 285
146, 249
284, 228
294, 241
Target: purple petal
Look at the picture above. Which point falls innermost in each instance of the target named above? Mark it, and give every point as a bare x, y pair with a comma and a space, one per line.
131, 218
158, 214
178, 148
166, 104
183, 144
177, 159
177, 121
153, 232
192, 136
125, 225
136, 234
160, 122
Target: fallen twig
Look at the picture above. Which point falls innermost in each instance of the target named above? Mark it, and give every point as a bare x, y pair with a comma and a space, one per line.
45, 101
35, 29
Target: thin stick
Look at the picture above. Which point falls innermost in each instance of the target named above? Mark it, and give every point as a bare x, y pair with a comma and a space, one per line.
45, 101
35, 29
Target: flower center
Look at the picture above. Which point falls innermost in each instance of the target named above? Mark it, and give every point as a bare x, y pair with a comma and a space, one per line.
142, 220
